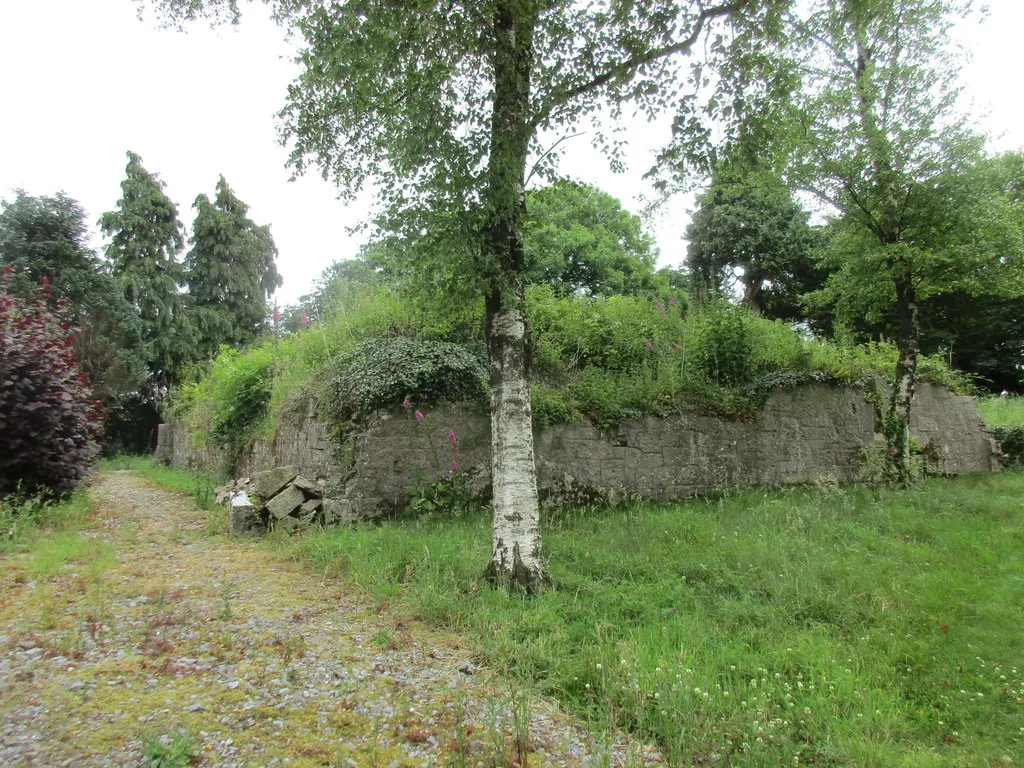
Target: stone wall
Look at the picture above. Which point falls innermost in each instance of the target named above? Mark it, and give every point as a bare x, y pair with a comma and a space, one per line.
806, 434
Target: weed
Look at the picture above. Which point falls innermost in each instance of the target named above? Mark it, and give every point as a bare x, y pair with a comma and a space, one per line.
177, 750
224, 614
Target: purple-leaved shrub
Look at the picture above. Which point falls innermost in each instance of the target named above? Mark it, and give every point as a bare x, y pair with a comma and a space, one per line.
50, 423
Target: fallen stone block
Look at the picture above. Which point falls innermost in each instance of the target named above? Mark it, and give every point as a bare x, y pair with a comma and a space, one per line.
286, 502
308, 487
245, 518
311, 506
337, 511
268, 484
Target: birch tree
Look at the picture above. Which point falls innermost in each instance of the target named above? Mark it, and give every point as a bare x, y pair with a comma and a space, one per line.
448, 106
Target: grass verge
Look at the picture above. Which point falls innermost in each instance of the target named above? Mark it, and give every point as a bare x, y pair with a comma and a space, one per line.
23, 520
999, 412
827, 626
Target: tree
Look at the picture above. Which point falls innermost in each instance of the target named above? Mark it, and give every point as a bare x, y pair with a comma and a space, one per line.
747, 226
445, 103
871, 130
580, 240
45, 238
145, 240
230, 272
50, 423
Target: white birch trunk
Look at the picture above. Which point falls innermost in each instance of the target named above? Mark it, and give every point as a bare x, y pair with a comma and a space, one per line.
516, 554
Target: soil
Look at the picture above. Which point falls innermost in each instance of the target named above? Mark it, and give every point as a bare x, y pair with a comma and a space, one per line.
161, 642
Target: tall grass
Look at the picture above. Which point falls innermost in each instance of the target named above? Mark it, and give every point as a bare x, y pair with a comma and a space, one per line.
1000, 412
830, 626
22, 519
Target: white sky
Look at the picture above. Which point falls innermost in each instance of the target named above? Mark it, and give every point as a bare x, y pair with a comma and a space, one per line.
84, 81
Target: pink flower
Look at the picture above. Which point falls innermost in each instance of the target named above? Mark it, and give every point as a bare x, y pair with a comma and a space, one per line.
419, 416
671, 300
277, 315
304, 319
661, 309
405, 403
454, 466
676, 347
452, 437
648, 345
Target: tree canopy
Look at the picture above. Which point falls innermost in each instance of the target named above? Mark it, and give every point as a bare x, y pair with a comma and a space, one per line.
230, 272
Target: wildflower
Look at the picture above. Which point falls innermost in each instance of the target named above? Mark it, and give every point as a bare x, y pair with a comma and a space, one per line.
304, 319
452, 437
676, 347
419, 416
648, 345
276, 315
454, 466
406, 403
671, 300
661, 309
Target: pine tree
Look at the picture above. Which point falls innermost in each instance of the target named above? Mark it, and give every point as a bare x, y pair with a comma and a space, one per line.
146, 238
230, 271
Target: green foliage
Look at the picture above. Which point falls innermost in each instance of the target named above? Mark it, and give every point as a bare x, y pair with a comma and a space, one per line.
748, 227
383, 372
46, 238
1006, 417
22, 518
231, 272
145, 240
578, 239
177, 750
804, 626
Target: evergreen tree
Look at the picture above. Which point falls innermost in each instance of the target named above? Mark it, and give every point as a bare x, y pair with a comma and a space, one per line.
146, 238
230, 272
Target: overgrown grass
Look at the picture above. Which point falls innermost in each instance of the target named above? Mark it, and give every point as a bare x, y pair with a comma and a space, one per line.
199, 485
23, 519
832, 626
997, 412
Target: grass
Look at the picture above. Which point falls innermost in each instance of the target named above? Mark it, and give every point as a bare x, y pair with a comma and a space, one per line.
24, 520
199, 485
997, 412
827, 626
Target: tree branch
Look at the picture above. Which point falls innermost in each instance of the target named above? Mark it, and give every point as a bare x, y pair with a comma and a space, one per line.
626, 68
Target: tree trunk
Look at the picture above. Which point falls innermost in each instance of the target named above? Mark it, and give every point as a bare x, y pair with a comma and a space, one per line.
516, 554
897, 421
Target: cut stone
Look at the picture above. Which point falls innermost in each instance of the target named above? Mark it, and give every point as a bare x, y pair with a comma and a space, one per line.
287, 524
239, 499
245, 519
286, 502
269, 483
308, 487
311, 506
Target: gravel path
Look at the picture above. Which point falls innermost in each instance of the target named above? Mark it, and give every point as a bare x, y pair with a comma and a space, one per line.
154, 633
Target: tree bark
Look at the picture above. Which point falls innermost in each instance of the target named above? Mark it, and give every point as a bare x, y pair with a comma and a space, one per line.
897, 422
516, 554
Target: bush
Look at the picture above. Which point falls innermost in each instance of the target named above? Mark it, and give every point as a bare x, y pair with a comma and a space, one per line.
382, 372
50, 425
240, 385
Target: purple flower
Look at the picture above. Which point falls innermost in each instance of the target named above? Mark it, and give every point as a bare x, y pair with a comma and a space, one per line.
661, 309
419, 416
304, 319
452, 437
676, 347
671, 300
406, 403
648, 345
454, 466
277, 315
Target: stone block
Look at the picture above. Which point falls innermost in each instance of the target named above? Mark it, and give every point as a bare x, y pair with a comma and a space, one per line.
308, 487
286, 502
337, 511
245, 518
268, 484
310, 506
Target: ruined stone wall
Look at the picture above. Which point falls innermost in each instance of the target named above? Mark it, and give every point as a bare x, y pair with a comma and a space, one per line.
806, 434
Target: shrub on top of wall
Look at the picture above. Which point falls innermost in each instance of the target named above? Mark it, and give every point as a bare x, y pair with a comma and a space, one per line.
381, 373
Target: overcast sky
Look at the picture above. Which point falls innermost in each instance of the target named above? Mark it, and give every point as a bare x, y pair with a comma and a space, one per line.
85, 80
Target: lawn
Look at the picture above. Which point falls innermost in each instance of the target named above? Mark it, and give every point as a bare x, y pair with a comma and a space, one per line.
827, 626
